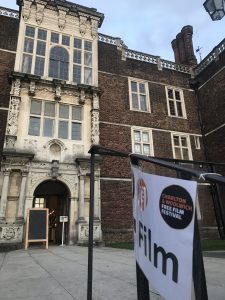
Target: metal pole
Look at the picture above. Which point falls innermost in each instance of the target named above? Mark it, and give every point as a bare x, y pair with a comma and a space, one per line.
142, 285
199, 279
62, 233
90, 236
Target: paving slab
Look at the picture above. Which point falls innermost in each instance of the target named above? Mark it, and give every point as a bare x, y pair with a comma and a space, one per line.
61, 273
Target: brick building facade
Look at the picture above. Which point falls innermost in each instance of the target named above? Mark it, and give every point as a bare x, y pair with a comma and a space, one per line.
132, 101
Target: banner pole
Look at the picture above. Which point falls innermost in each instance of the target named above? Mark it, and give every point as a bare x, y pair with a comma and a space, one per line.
142, 285
90, 236
199, 279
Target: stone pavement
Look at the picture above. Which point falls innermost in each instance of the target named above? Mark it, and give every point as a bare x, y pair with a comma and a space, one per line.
60, 273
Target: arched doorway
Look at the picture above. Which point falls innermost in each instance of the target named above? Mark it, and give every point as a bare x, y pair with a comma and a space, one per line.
55, 196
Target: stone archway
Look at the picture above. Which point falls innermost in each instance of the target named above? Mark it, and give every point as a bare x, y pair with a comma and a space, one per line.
55, 196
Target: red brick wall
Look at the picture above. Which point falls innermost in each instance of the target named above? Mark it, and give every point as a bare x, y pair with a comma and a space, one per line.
116, 120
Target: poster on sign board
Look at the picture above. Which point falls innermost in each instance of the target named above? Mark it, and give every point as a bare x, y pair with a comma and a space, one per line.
164, 211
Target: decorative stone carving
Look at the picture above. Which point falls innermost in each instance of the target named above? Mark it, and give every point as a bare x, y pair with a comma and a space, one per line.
95, 127
36, 177
15, 89
95, 104
10, 141
13, 113
40, 12
94, 28
71, 179
32, 88
55, 142
30, 144
62, 11
8, 233
83, 25
26, 9
58, 92
55, 169
84, 232
82, 97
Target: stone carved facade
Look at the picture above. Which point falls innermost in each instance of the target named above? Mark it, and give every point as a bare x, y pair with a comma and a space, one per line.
84, 231
11, 233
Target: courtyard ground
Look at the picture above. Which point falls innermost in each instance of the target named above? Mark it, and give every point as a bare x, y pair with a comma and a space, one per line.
60, 273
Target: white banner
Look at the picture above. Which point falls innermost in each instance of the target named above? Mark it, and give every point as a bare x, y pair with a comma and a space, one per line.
163, 211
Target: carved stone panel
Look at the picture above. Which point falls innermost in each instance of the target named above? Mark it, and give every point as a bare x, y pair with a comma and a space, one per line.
95, 127
13, 114
83, 232
10, 233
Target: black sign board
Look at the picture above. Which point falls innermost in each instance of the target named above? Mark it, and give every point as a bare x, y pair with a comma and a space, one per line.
37, 226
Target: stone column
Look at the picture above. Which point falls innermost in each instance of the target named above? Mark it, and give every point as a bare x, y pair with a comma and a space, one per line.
96, 199
20, 212
4, 195
81, 199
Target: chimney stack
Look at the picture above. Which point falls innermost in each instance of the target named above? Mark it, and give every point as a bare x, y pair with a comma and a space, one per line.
183, 47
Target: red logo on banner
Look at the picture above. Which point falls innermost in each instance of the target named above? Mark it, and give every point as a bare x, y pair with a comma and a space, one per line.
142, 194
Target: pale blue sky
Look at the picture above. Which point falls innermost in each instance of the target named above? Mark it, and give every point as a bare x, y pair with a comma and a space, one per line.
150, 25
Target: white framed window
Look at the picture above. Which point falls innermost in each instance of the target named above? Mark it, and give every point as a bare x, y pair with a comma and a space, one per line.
59, 120
181, 146
61, 49
82, 61
175, 102
142, 142
197, 142
139, 95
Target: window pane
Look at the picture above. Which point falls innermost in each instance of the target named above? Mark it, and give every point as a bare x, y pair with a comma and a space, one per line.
28, 45
143, 103
185, 154
63, 71
35, 107
55, 37
133, 86
49, 109
77, 56
34, 126
87, 46
48, 127
65, 40
176, 141
76, 113
39, 66
135, 104
64, 111
41, 48
87, 76
77, 43
137, 148
146, 149
63, 129
179, 109
76, 131
177, 153
30, 31
27, 63
42, 34
172, 108
145, 137
77, 74
184, 141
137, 136
141, 88
88, 59
177, 95
54, 69
170, 93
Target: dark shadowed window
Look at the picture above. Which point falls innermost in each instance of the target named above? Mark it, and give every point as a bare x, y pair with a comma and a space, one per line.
59, 63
